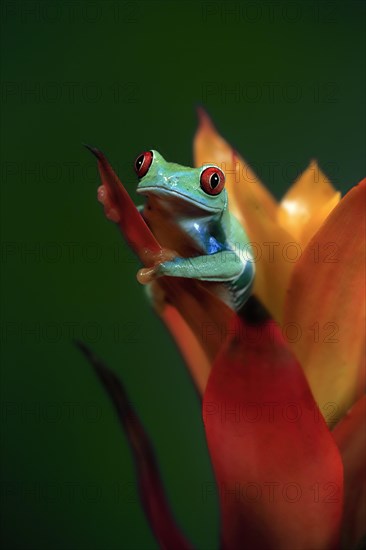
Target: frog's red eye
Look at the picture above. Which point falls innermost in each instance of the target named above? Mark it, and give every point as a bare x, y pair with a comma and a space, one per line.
212, 180
143, 163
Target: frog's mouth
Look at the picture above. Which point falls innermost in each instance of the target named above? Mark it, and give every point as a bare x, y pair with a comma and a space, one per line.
172, 196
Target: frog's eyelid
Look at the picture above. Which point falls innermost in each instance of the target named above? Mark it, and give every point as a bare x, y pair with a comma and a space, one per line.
156, 155
205, 166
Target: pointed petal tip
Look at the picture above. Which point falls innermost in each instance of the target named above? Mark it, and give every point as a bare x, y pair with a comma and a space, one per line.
98, 154
203, 117
313, 163
86, 351
80, 345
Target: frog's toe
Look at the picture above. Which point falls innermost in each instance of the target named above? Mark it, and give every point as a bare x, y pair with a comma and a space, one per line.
158, 259
102, 194
155, 258
112, 215
110, 211
146, 275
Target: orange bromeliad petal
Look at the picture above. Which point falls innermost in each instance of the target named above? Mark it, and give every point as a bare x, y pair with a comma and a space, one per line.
209, 147
256, 209
318, 217
326, 305
190, 348
278, 470
350, 436
303, 206
271, 244
205, 314
200, 312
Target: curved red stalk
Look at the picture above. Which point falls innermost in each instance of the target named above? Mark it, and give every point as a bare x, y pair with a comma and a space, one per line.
151, 490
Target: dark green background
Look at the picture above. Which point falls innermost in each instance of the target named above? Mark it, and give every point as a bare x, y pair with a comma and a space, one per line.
284, 83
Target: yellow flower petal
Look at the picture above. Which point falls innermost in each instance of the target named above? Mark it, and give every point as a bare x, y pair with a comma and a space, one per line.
325, 304
302, 209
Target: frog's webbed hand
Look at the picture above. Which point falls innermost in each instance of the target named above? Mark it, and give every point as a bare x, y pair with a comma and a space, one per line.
110, 209
221, 266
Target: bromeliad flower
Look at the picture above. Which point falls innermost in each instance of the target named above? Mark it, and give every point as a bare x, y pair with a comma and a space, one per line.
284, 479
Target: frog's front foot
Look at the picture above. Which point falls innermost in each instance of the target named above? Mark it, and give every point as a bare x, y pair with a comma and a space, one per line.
147, 274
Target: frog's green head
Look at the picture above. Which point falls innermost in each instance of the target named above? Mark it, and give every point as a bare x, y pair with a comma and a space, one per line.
201, 188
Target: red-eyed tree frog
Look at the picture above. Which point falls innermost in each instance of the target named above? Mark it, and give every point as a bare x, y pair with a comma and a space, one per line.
187, 210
